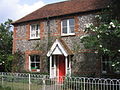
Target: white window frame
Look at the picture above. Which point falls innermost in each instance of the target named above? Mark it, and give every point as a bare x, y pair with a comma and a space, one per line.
68, 28
38, 70
36, 37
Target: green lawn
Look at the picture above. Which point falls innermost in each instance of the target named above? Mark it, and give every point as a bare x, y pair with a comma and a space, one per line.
19, 86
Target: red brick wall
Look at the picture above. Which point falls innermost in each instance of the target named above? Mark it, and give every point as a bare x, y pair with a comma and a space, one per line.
42, 35
27, 31
14, 39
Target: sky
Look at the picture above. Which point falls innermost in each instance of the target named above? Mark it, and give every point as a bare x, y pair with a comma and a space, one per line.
16, 9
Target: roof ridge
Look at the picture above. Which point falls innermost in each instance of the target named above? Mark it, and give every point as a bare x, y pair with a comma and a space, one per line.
63, 8
40, 8
57, 2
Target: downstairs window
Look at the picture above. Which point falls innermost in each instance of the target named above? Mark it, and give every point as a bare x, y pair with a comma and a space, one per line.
35, 63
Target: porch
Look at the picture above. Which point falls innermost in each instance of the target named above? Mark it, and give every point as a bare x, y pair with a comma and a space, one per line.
60, 57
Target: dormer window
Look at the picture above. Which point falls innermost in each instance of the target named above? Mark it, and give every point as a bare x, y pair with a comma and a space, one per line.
34, 31
67, 27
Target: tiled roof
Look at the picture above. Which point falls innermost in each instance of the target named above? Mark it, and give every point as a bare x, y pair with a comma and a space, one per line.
64, 8
67, 49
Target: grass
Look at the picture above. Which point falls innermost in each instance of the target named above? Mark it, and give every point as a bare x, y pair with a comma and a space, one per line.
19, 86
15, 83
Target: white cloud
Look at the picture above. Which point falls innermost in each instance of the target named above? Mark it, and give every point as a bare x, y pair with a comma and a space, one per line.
14, 10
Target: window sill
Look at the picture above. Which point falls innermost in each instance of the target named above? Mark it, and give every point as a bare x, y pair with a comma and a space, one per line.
35, 70
38, 38
70, 34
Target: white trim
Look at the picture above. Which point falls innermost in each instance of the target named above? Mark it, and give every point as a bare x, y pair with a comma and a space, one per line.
68, 28
61, 51
55, 66
70, 65
66, 69
52, 69
37, 70
50, 66
35, 38
57, 51
38, 32
29, 64
50, 52
68, 34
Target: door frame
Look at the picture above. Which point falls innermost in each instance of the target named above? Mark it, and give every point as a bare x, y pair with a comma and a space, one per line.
59, 65
54, 71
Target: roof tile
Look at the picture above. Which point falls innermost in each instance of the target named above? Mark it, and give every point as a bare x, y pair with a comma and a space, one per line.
64, 8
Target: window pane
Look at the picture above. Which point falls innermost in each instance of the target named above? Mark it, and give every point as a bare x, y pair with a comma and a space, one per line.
64, 30
71, 22
37, 65
64, 23
37, 27
32, 35
37, 58
35, 61
36, 33
33, 66
32, 58
71, 25
32, 27
71, 29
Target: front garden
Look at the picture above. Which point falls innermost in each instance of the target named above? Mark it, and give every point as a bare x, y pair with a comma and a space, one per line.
26, 81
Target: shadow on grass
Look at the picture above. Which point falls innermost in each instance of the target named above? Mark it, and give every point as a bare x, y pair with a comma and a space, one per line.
5, 88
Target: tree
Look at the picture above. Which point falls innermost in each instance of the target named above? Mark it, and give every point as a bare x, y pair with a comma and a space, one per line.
6, 56
104, 38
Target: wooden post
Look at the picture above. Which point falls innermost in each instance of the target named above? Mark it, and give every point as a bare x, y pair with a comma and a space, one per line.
50, 65
29, 82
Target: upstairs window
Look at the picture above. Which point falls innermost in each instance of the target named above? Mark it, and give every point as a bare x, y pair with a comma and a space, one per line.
67, 27
35, 63
35, 31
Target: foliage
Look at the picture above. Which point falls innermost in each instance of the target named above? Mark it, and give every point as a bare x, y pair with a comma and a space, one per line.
5, 88
114, 6
6, 45
44, 46
18, 62
104, 38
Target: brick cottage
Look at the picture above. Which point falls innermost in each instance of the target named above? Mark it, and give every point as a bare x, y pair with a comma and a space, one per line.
50, 37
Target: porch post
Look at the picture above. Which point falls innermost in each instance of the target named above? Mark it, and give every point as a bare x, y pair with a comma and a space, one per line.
70, 65
66, 60
54, 66
50, 64
29, 64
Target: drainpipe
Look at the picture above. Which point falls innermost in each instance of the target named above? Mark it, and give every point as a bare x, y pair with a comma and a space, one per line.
48, 26
48, 44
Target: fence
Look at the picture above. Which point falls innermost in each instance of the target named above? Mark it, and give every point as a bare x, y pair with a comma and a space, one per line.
25, 81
